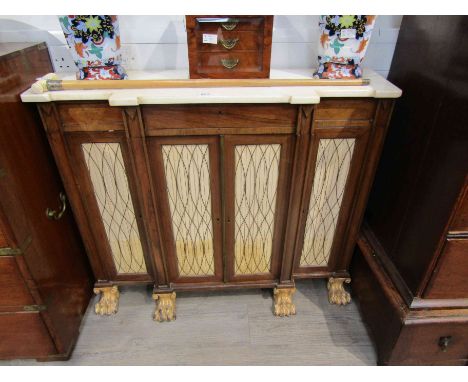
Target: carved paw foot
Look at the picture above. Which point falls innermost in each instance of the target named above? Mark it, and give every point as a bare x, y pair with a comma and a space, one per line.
283, 301
109, 301
336, 292
165, 306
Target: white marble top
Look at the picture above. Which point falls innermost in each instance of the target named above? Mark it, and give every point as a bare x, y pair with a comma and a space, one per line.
379, 87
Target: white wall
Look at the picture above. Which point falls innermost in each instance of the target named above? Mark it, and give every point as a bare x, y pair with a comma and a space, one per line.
159, 42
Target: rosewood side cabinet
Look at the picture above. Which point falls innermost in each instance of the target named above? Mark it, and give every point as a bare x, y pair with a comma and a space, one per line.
217, 188
45, 278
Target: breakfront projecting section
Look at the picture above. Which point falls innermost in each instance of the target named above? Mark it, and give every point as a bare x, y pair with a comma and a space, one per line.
219, 189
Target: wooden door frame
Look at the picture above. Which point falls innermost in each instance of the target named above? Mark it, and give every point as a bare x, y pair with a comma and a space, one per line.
54, 129
158, 175
281, 209
74, 141
333, 129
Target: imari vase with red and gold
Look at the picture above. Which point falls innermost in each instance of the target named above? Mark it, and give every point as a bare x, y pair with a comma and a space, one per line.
94, 41
342, 45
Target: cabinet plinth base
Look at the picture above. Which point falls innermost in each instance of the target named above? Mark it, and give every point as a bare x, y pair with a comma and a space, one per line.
109, 301
165, 306
283, 301
336, 292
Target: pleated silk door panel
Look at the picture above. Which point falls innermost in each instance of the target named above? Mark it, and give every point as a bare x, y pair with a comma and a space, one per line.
257, 175
334, 163
103, 173
186, 178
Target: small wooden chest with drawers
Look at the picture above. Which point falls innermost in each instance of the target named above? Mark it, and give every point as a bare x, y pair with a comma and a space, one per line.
229, 46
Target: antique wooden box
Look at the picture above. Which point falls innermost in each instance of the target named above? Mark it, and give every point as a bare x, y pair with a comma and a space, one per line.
229, 46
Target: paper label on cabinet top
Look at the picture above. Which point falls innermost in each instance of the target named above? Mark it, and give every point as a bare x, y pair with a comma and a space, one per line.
348, 33
210, 38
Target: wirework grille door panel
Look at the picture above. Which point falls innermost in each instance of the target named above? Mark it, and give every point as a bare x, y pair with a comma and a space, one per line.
104, 176
186, 179
257, 173
335, 159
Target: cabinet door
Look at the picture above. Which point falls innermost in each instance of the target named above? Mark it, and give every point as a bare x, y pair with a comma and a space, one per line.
256, 177
104, 175
185, 172
334, 162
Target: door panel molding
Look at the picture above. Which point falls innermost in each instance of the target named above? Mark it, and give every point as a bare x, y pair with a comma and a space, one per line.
252, 155
333, 209
186, 179
123, 220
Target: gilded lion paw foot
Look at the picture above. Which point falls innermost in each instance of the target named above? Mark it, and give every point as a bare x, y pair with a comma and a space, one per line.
283, 301
165, 306
336, 292
109, 301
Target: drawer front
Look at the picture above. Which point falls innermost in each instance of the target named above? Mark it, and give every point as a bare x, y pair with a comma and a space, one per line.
90, 117
24, 335
231, 41
345, 109
12, 286
451, 275
219, 119
240, 23
432, 343
227, 63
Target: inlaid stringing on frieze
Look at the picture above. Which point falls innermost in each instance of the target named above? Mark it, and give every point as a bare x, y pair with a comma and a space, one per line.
187, 172
110, 185
256, 184
331, 172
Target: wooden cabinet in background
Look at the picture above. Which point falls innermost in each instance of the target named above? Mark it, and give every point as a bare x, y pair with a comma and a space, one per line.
45, 280
411, 270
217, 196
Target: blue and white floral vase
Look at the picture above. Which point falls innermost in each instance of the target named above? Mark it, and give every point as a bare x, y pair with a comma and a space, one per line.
94, 41
343, 44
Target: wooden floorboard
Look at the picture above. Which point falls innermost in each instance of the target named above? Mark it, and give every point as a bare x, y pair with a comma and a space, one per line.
224, 328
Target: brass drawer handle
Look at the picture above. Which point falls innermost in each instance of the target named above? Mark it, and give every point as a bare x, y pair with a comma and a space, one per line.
230, 25
444, 343
54, 215
229, 63
230, 43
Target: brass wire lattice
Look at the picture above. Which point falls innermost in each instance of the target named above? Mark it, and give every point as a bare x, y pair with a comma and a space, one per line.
256, 183
331, 172
187, 173
110, 185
